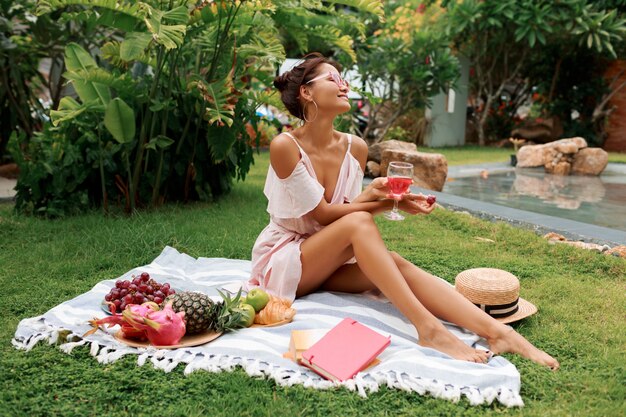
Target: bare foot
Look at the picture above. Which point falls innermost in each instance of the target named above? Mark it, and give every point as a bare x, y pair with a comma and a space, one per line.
439, 338
512, 342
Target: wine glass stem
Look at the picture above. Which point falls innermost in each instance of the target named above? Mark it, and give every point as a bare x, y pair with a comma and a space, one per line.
395, 205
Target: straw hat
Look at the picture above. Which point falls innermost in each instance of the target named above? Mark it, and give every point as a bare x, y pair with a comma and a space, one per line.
496, 292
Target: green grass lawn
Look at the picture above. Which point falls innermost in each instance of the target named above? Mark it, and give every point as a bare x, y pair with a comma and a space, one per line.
482, 154
43, 263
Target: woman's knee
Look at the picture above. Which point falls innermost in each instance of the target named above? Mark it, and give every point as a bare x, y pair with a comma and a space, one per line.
398, 259
359, 220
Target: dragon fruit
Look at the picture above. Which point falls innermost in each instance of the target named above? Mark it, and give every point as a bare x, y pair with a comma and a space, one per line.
128, 330
164, 327
161, 327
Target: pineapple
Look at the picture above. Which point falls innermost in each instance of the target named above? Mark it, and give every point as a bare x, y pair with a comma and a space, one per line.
203, 314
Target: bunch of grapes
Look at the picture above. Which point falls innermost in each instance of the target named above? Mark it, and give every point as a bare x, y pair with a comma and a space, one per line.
141, 289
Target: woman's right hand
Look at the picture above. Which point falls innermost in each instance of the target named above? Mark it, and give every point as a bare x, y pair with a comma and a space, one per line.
378, 189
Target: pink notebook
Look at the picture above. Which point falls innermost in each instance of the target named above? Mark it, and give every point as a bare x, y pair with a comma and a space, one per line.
345, 350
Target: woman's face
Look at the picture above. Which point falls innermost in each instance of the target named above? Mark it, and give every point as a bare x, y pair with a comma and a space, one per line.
329, 90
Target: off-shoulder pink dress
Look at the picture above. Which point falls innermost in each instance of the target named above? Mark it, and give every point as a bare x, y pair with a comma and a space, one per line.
276, 264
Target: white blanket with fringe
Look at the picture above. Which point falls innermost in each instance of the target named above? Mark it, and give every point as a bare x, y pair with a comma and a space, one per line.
404, 364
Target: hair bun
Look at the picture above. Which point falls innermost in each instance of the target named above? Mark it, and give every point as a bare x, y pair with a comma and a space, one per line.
282, 81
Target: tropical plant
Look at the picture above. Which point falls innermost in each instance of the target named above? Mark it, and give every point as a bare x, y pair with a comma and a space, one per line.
405, 61
32, 66
171, 95
500, 38
19, 90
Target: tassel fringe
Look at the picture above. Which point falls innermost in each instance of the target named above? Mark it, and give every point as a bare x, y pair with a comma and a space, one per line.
362, 383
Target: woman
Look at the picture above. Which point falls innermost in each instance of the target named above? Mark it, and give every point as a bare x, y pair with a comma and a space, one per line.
322, 234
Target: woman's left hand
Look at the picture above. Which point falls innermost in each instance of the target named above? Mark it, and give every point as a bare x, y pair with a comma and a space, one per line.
415, 204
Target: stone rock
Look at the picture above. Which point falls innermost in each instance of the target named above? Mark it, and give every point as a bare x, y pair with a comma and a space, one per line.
568, 145
530, 156
560, 168
429, 169
372, 169
10, 171
377, 149
585, 245
590, 161
554, 236
539, 130
617, 251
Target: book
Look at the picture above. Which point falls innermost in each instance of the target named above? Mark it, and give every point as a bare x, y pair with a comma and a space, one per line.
345, 350
302, 340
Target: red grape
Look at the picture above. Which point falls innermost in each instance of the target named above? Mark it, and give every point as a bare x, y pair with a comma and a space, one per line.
138, 290
431, 200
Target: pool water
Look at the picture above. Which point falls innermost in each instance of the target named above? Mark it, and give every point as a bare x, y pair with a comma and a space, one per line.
588, 199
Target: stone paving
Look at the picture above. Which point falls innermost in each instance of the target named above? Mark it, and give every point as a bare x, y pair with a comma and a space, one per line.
6, 189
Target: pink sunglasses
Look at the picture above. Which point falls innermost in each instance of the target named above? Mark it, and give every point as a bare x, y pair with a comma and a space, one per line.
333, 77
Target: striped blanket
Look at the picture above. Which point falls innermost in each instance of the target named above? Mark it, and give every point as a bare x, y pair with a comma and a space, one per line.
404, 364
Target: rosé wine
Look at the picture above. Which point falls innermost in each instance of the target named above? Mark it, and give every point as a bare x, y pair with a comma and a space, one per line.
399, 185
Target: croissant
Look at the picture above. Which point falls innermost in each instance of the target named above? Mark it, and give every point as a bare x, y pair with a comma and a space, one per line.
275, 311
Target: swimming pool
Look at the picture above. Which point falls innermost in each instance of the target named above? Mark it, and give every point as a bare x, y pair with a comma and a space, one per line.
588, 199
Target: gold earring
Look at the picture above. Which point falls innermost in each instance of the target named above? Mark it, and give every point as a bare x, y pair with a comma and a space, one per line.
304, 111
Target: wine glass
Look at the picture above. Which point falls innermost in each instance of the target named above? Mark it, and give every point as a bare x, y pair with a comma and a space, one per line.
399, 179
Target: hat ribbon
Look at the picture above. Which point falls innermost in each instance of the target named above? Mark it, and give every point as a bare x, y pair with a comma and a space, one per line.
500, 310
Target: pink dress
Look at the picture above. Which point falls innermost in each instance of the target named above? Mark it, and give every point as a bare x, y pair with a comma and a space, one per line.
276, 264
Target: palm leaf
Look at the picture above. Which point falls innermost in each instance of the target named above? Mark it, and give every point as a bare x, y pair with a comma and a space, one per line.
134, 45
263, 46
220, 141
68, 109
170, 36
374, 7
131, 9
111, 52
101, 77
76, 58
178, 15
119, 119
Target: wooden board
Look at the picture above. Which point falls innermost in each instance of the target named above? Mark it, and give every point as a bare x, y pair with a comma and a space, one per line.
186, 341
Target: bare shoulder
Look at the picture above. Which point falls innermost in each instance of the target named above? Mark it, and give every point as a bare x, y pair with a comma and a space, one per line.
359, 150
284, 155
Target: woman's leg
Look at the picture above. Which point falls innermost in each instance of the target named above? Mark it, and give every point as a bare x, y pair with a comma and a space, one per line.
445, 302
356, 234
